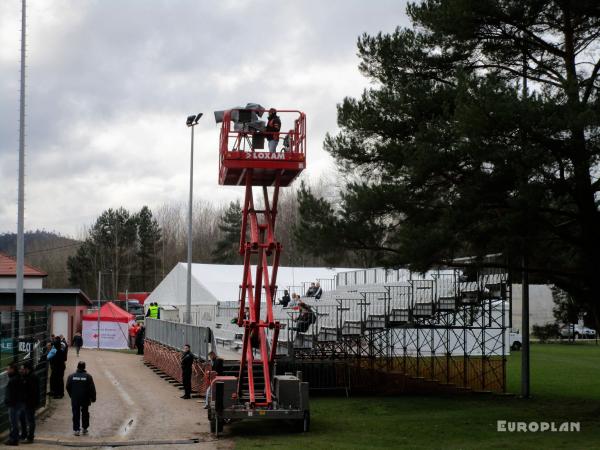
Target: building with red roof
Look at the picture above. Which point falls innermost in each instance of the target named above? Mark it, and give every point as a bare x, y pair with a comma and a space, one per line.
34, 277
65, 307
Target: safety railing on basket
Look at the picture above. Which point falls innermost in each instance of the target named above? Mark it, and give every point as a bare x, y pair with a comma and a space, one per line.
249, 131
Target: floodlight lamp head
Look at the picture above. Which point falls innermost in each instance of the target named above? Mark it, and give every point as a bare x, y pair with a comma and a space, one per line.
198, 116
190, 120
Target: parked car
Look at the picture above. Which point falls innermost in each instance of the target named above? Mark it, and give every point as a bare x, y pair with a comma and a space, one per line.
135, 308
515, 339
577, 331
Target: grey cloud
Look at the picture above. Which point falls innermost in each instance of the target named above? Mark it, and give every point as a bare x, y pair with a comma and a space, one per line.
108, 65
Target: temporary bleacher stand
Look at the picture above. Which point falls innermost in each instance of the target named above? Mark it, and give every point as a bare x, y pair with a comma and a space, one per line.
432, 332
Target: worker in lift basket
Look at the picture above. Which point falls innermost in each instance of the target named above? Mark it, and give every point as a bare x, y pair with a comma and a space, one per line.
272, 129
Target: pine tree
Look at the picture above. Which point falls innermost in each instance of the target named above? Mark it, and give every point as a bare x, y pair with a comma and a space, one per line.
109, 248
149, 238
447, 154
227, 248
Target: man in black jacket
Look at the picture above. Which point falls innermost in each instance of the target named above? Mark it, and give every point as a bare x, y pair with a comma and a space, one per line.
318, 291
30, 386
13, 400
285, 299
311, 290
56, 357
77, 342
64, 346
187, 359
139, 340
272, 130
81, 389
216, 369
305, 318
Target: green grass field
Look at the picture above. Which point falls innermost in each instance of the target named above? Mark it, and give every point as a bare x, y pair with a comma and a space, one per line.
565, 387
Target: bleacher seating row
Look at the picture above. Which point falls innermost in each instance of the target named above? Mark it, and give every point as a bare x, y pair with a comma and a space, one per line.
353, 310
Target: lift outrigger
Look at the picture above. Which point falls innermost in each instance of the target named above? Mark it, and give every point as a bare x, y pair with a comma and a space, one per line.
258, 393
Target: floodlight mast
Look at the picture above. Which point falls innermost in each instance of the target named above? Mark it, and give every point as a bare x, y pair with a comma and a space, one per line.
191, 122
21, 184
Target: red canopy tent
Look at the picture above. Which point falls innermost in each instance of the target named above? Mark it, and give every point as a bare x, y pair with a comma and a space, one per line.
113, 329
109, 312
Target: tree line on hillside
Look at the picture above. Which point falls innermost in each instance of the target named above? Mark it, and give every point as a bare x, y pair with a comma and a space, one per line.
135, 251
46, 250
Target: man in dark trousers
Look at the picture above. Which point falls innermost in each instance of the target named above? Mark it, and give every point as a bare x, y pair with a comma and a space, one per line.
272, 130
139, 340
56, 357
81, 389
187, 359
13, 400
31, 399
77, 342
64, 346
216, 369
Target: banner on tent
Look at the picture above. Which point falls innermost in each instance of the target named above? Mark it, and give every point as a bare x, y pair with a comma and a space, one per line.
112, 334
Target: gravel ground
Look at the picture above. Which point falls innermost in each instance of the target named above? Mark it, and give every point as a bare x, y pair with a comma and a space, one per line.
134, 405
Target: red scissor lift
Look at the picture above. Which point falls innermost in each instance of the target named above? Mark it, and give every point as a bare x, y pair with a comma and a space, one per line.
243, 161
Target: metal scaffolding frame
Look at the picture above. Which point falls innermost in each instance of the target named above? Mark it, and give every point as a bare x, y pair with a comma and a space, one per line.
446, 329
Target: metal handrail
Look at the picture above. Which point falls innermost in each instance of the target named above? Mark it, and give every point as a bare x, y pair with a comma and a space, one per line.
176, 335
297, 135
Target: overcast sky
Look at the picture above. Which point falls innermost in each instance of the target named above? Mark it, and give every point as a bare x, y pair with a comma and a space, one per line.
111, 82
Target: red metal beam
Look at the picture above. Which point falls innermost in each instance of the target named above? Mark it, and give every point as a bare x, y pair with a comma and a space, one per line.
258, 244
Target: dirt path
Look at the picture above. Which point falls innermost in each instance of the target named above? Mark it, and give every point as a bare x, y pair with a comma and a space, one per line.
134, 405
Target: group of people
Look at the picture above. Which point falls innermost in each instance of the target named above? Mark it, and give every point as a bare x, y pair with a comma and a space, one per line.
315, 291
23, 389
289, 302
56, 354
187, 361
137, 334
21, 398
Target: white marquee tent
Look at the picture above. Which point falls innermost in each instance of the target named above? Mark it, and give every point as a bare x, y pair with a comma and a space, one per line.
220, 282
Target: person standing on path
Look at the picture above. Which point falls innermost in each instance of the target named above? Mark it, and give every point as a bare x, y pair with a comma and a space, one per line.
216, 369
133, 331
31, 399
56, 357
77, 342
187, 359
139, 340
81, 389
64, 346
13, 400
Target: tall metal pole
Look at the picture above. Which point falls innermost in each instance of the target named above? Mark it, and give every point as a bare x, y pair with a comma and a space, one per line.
188, 300
525, 372
99, 290
21, 189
